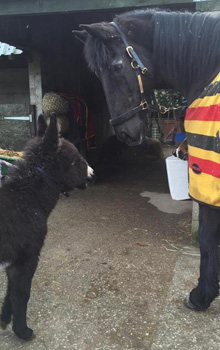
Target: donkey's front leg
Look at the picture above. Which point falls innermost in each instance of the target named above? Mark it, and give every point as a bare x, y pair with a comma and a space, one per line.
201, 297
20, 276
6, 308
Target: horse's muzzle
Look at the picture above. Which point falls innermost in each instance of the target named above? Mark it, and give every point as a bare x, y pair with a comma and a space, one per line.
124, 137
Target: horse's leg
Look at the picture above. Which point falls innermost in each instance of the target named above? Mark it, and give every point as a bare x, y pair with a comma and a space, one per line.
201, 297
20, 276
6, 308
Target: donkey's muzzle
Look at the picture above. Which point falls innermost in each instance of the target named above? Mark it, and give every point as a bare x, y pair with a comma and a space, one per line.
90, 175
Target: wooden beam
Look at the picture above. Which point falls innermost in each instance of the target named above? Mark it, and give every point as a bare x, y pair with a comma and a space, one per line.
210, 5
34, 7
35, 85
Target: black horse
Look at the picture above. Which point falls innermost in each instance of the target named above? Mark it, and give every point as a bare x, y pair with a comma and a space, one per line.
167, 50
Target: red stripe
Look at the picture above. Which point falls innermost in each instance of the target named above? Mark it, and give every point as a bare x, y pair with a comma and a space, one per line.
206, 166
211, 113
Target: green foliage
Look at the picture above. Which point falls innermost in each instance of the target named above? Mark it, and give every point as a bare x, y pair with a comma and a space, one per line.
168, 98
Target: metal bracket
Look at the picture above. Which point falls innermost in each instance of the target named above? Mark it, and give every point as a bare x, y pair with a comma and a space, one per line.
29, 117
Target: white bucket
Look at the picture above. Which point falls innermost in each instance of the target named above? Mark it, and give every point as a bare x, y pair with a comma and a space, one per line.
177, 173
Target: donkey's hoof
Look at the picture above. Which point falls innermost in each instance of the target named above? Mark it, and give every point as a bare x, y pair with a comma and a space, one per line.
25, 335
5, 319
3, 324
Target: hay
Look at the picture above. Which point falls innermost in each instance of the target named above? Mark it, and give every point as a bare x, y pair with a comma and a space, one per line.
54, 103
10, 154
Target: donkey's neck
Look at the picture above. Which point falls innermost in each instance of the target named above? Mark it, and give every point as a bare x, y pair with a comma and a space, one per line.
40, 192
47, 196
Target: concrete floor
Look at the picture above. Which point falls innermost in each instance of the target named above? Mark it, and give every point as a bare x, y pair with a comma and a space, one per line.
180, 328
107, 266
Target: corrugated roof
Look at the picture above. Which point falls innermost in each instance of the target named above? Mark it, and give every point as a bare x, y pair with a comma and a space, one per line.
34, 7
7, 50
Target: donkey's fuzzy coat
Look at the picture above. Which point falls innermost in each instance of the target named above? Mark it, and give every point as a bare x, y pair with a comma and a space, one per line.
27, 197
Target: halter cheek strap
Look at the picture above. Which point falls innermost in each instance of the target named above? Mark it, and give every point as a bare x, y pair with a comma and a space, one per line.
136, 63
139, 69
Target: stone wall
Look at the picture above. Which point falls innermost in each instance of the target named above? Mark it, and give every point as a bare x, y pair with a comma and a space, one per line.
14, 101
14, 134
14, 86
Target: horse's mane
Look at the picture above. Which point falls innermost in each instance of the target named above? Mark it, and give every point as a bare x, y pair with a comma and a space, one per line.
184, 44
195, 61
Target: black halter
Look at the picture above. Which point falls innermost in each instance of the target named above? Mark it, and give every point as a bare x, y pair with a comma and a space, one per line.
50, 177
139, 69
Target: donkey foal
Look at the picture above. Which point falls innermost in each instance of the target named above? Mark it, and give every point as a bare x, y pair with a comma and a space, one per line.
50, 166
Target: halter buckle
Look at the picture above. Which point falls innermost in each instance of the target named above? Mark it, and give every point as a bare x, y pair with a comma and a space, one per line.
144, 105
144, 70
128, 48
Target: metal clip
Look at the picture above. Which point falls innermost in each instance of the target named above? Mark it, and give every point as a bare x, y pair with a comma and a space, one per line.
163, 109
144, 105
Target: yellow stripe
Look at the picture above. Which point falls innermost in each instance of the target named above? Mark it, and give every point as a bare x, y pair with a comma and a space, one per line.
203, 154
206, 127
217, 78
206, 101
204, 188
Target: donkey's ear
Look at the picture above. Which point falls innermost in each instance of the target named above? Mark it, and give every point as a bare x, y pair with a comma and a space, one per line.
50, 140
81, 35
101, 30
41, 125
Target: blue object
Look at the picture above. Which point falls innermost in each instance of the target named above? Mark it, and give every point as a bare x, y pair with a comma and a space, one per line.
180, 136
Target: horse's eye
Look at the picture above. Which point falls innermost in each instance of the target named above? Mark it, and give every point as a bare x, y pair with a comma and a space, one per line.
116, 67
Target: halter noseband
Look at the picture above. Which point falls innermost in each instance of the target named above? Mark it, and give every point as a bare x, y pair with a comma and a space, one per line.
139, 69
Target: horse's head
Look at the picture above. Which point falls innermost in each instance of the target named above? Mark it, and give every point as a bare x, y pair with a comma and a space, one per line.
108, 58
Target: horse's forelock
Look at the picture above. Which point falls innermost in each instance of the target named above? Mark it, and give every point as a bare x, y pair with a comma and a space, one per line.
96, 53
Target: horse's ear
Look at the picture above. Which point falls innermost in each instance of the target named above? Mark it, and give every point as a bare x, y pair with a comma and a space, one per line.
101, 30
50, 139
41, 125
81, 35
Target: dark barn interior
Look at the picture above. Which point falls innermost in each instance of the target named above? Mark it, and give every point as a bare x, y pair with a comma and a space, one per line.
62, 70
